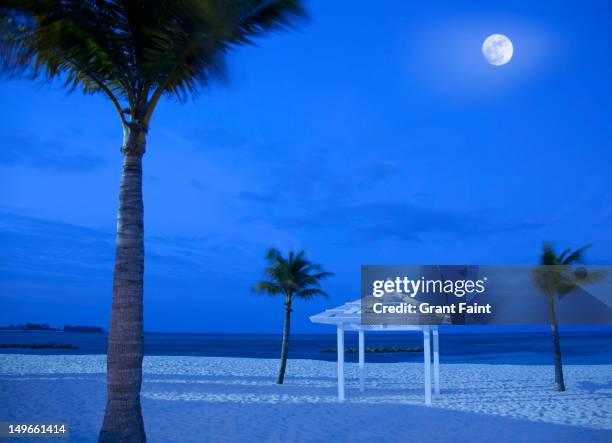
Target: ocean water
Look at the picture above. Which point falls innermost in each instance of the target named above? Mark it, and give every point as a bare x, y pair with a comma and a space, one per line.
495, 348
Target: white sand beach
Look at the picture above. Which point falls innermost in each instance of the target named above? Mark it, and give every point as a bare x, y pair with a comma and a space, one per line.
215, 399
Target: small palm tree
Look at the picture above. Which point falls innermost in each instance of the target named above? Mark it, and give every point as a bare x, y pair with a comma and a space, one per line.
132, 52
556, 277
292, 277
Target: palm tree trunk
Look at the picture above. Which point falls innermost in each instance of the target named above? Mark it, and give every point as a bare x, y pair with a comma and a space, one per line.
123, 417
285, 345
559, 382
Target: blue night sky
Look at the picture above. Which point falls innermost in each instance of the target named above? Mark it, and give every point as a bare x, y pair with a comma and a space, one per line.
370, 136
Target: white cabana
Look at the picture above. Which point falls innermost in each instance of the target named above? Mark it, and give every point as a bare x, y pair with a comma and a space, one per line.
348, 318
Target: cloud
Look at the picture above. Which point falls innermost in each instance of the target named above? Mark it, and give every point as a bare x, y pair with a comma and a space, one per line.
197, 184
312, 194
47, 155
209, 137
259, 197
60, 273
364, 177
404, 221
363, 201
36, 249
49, 250
310, 180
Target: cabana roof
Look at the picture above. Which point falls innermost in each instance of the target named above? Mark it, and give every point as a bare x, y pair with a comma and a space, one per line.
347, 313
349, 316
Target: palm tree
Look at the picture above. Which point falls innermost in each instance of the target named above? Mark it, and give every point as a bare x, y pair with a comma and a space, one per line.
133, 52
292, 277
556, 277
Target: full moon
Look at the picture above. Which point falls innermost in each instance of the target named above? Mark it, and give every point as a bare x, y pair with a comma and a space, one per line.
497, 49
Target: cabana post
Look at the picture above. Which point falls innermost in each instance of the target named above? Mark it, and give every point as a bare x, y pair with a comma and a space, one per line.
340, 362
361, 360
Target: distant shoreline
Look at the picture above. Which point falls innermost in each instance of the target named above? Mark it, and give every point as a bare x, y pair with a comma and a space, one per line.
44, 327
506, 348
453, 330
51, 330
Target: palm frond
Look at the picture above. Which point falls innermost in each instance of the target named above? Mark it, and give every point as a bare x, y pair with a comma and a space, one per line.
307, 294
134, 51
273, 254
293, 274
548, 257
563, 254
556, 276
268, 287
323, 275
575, 257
